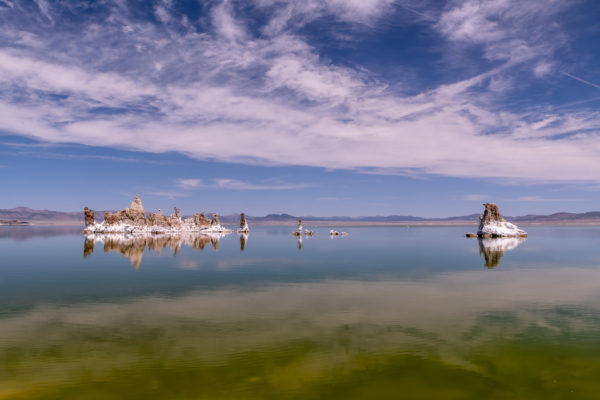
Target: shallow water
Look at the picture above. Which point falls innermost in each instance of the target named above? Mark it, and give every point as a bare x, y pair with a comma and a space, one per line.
382, 313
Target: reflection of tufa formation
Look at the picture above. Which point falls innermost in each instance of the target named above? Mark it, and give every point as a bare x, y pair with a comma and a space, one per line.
493, 249
493, 225
133, 246
134, 220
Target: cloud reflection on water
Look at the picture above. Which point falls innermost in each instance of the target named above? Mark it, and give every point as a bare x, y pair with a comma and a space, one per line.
463, 321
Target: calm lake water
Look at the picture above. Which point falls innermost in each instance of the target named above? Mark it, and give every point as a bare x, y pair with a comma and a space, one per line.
416, 313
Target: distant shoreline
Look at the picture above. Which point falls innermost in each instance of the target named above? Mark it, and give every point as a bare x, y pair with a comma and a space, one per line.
59, 218
322, 223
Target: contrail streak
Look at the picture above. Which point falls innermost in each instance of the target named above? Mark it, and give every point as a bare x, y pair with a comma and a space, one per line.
581, 80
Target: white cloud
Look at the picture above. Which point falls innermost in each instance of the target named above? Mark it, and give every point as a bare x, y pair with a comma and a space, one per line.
45, 9
476, 197
168, 195
226, 183
226, 24
188, 183
508, 29
543, 69
538, 199
334, 199
295, 13
233, 96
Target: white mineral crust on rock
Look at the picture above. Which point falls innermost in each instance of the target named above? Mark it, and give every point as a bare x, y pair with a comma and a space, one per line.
133, 220
492, 224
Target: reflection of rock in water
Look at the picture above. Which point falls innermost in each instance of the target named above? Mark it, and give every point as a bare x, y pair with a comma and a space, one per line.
243, 240
133, 246
493, 249
299, 242
88, 247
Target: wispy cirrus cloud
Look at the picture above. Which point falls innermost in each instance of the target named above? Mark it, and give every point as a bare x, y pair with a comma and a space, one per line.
334, 198
216, 82
188, 183
165, 194
526, 199
476, 197
537, 199
233, 184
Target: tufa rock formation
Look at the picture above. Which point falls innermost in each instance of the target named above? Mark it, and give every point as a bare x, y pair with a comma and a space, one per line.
298, 231
89, 217
134, 215
493, 225
198, 220
133, 220
243, 224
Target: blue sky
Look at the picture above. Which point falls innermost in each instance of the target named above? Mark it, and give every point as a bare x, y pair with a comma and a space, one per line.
329, 107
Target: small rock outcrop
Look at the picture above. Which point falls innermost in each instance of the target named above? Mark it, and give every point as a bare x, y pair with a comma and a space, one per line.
133, 220
298, 232
493, 225
89, 217
243, 224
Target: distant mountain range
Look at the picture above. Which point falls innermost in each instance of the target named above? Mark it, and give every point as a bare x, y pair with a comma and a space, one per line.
48, 217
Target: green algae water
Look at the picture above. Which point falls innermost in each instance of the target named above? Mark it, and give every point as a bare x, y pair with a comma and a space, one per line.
416, 313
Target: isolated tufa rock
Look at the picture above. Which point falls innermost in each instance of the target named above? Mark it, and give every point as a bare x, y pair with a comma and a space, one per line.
89, 216
493, 225
243, 224
491, 214
298, 231
215, 220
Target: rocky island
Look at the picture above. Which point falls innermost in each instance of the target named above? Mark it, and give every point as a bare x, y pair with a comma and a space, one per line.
134, 220
13, 222
493, 225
